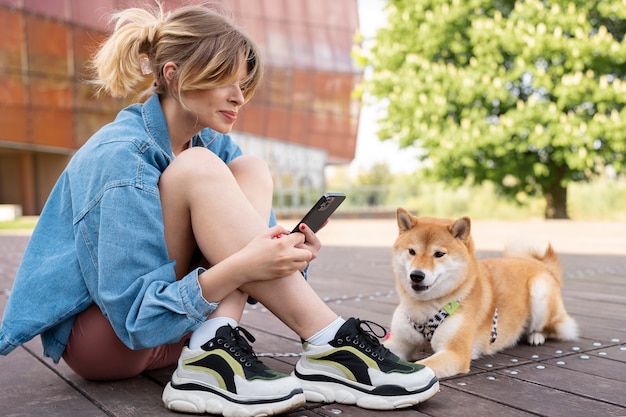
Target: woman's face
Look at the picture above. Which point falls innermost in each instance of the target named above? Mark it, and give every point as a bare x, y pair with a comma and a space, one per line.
216, 108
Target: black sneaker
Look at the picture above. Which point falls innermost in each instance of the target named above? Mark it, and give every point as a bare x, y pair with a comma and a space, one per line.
356, 368
225, 377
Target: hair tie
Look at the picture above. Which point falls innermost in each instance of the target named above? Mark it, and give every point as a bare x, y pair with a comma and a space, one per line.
144, 64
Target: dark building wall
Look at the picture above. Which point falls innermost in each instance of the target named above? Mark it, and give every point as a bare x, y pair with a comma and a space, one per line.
47, 110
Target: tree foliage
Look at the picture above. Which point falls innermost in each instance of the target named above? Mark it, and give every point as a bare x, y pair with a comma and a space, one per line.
529, 95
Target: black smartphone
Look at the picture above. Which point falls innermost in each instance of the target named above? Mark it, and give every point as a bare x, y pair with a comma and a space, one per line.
321, 211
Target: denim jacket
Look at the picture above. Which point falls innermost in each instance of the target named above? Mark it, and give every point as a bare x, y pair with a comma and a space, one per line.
100, 240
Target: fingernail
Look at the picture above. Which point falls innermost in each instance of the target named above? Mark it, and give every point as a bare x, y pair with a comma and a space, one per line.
302, 227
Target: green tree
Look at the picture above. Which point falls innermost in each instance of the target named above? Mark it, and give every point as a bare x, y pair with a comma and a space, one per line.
529, 95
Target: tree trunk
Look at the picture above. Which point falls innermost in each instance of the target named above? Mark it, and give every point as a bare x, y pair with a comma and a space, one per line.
556, 201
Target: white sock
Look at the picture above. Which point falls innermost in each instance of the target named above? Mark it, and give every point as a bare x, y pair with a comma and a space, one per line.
207, 330
327, 334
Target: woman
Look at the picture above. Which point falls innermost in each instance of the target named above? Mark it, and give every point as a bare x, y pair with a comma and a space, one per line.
156, 234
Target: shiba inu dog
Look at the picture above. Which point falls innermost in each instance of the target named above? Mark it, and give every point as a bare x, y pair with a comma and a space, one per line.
459, 308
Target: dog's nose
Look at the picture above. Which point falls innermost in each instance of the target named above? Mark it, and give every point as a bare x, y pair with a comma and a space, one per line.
417, 276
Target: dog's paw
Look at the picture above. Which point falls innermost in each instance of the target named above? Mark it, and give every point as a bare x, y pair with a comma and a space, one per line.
536, 338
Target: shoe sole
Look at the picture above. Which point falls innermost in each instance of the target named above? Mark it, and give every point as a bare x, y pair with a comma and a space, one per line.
201, 399
325, 389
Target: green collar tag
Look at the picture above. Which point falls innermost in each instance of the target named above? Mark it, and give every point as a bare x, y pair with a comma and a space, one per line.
451, 307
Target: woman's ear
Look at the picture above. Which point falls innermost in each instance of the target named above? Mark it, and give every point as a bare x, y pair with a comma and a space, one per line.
169, 71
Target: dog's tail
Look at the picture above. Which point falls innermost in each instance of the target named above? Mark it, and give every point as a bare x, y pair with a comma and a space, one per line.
541, 252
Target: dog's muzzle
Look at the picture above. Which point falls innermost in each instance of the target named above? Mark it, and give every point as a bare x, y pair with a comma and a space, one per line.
417, 277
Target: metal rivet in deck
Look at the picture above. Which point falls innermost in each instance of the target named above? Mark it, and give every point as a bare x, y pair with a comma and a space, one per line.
575, 348
584, 356
559, 352
615, 340
597, 344
560, 363
602, 353
514, 360
491, 378
535, 356
514, 372
489, 365
336, 411
540, 367
462, 384
622, 348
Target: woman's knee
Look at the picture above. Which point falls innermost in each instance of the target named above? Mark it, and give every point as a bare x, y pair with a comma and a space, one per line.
194, 163
254, 168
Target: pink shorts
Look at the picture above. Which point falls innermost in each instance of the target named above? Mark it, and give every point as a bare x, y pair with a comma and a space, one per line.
96, 353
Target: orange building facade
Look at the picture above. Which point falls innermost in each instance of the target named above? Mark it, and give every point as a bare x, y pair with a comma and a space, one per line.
303, 118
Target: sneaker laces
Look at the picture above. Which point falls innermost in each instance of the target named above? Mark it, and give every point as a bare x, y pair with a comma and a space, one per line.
368, 339
238, 345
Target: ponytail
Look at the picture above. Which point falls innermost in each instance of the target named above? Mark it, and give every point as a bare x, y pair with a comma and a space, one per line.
117, 64
206, 47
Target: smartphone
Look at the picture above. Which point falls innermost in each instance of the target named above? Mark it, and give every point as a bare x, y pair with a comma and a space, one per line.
321, 211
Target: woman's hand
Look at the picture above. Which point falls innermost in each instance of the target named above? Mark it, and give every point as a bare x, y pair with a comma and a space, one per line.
311, 241
276, 253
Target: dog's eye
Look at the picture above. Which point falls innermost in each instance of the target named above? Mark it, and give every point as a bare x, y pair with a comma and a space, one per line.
439, 254
412, 252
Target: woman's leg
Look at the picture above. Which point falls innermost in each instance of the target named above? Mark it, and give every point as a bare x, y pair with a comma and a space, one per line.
219, 209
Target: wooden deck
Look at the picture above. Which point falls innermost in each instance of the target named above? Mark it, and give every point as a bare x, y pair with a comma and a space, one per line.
583, 378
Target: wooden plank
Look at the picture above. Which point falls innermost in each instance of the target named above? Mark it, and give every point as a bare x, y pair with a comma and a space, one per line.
612, 366
596, 333
139, 396
600, 325
11, 250
583, 385
29, 388
601, 306
453, 402
129, 397
334, 410
615, 352
554, 348
499, 360
534, 398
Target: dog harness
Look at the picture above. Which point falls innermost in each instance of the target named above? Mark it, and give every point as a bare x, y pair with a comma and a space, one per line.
428, 329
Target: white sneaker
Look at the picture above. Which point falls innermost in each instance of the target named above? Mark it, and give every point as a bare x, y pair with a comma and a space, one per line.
225, 377
356, 368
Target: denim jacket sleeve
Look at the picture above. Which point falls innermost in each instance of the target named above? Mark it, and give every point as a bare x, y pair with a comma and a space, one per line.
135, 283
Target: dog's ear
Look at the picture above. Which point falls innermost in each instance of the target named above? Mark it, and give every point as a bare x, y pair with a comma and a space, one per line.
461, 229
406, 220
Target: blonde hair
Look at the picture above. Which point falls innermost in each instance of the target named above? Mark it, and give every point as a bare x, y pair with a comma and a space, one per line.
207, 49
